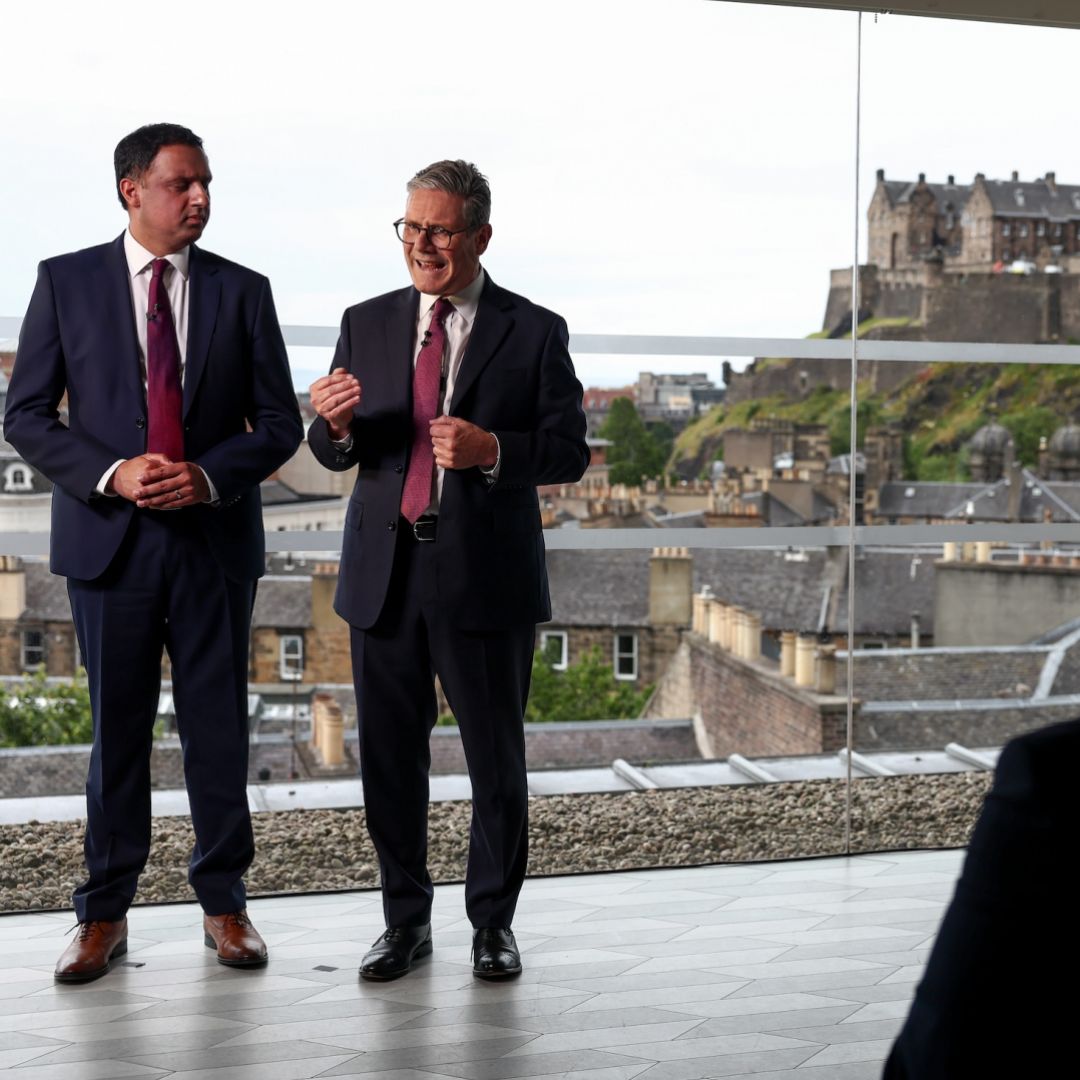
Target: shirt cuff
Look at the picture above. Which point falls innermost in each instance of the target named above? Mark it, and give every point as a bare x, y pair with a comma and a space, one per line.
215, 498
491, 472
343, 445
106, 476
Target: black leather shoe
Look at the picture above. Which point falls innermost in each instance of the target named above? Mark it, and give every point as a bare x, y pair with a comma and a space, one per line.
495, 953
393, 954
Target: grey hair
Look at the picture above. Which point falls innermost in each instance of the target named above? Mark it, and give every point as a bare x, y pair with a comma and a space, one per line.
458, 178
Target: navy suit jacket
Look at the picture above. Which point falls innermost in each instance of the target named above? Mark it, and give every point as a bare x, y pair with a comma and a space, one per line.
991, 1002
241, 419
517, 380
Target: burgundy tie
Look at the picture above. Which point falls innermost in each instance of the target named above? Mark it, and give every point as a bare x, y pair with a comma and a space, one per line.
164, 398
416, 495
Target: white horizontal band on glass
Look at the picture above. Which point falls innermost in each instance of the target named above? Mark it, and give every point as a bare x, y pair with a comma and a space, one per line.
810, 536
915, 352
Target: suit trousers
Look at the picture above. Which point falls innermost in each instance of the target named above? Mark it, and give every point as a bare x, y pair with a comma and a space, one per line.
165, 590
485, 677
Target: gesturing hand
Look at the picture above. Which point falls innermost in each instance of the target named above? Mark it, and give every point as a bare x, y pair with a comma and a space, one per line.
334, 397
461, 445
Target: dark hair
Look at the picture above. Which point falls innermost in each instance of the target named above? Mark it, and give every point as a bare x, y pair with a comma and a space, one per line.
135, 153
458, 178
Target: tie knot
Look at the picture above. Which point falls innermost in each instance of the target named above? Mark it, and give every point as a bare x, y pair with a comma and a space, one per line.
441, 309
157, 268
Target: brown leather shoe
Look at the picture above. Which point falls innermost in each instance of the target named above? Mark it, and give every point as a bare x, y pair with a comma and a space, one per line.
92, 952
237, 942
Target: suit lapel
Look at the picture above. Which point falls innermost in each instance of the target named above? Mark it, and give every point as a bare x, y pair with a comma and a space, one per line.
205, 286
400, 327
122, 318
493, 322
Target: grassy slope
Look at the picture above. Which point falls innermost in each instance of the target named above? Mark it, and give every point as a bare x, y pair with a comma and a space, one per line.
939, 409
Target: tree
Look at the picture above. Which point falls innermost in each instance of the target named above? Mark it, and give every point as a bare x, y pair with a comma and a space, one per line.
38, 713
635, 455
587, 690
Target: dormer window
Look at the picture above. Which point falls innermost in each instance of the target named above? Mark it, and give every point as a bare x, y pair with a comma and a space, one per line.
17, 478
1018, 193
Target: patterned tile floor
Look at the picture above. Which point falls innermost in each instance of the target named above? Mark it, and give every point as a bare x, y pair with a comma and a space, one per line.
780, 970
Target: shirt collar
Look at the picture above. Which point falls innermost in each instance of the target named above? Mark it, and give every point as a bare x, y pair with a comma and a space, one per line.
139, 259
465, 302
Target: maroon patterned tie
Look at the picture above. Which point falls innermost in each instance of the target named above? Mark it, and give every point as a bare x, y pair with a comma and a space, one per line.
164, 398
416, 495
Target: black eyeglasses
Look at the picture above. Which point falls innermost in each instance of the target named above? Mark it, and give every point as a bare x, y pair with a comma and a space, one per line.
408, 233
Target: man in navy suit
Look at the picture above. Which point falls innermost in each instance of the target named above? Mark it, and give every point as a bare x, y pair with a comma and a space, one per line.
455, 398
179, 403
994, 999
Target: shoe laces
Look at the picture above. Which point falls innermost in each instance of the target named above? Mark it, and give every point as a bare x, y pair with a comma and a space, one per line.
85, 929
238, 918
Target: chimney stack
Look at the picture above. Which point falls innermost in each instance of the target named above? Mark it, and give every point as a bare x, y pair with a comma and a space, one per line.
12, 587
671, 585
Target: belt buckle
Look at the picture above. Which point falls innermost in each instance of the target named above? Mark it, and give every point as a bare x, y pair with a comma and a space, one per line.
424, 531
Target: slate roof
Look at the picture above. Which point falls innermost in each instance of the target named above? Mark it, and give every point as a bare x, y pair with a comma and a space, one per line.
278, 493
900, 191
990, 502
923, 498
283, 602
1009, 198
611, 588
1034, 199
46, 594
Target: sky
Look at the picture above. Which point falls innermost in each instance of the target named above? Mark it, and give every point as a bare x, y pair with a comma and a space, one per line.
664, 167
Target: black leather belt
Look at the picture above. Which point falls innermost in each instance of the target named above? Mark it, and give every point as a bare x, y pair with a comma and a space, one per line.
425, 527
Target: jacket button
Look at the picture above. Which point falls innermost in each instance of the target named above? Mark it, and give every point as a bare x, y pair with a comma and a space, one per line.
140, 422
398, 468
391, 525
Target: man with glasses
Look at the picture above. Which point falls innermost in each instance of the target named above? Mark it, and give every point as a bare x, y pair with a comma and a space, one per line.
455, 398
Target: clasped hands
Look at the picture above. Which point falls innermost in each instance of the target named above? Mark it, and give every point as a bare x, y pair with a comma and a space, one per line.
457, 444
153, 482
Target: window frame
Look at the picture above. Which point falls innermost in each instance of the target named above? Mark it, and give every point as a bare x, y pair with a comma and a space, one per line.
285, 671
618, 655
564, 637
25, 647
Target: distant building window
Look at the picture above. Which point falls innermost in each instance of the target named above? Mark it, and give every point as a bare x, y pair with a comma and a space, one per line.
18, 478
1057, 232
1006, 229
553, 647
292, 657
626, 656
1023, 230
33, 649
1040, 229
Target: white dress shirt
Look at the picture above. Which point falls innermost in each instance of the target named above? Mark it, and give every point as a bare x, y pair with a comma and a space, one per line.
176, 275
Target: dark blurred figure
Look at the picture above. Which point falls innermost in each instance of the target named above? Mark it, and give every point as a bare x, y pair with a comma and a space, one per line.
989, 1004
